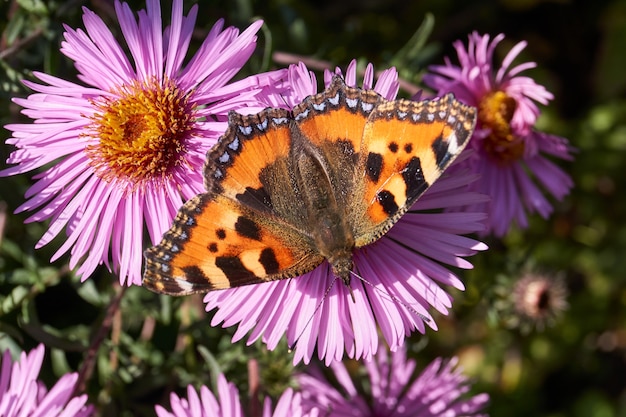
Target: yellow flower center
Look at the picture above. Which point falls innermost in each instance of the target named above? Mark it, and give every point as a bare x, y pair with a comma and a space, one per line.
140, 135
495, 112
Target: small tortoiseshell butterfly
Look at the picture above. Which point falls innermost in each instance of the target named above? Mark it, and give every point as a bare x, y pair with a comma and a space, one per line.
287, 190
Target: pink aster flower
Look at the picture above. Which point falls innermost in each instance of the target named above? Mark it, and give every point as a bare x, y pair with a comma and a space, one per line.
21, 394
127, 145
227, 403
509, 154
395, 389
403, 271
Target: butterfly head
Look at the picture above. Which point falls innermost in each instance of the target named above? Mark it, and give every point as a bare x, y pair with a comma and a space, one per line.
342, 267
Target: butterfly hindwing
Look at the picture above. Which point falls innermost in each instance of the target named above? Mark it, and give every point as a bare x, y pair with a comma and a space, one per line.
406, 146
217, 243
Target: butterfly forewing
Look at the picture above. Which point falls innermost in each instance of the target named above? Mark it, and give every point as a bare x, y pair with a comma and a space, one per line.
406, 146
250, 143
330, 126
338, 114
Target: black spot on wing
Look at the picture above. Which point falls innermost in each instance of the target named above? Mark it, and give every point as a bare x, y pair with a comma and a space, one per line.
374, 166
269, 261
232, 268
256, 198
388, 202
440, 148
414, 178
393, 147
194, 275
221, 234
247, 228
212, 247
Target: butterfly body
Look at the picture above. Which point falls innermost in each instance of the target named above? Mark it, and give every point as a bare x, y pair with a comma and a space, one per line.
288, 190
332, 233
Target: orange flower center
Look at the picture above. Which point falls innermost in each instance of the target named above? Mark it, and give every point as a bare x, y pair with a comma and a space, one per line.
495, 112
140, 134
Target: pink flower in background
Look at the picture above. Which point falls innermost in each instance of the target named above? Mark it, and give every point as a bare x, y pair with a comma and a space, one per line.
227, 403
403, 269
394, 389
21, 394
508, 153
123, 150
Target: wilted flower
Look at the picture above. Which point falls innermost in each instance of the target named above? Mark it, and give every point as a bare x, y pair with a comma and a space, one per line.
539, 298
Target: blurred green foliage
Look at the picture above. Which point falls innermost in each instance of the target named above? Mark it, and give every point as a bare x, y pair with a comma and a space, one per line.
150, 345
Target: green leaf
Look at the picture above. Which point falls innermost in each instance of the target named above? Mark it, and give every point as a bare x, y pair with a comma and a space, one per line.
90, 293
14, 300
213, 365
14, 28
33, 6
60, 366
408, 59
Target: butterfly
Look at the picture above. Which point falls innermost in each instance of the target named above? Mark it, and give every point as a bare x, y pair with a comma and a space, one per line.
288, 190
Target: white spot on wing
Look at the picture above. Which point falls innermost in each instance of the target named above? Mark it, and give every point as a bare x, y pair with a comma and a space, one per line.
246, 130
224, 158
352, 102
302, 115
453, 144
334, 100
262, 126
280, 120
320, 107
186, 286
234, 145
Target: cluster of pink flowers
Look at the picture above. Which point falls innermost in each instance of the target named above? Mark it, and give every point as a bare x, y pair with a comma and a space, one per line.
396, 389
22, 394
227, 403
122, 163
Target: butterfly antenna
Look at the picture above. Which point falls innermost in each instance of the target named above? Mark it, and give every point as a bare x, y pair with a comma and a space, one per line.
319, 305
393, 297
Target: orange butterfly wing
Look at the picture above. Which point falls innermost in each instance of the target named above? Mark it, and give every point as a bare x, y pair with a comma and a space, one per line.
233, 235
406, 146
